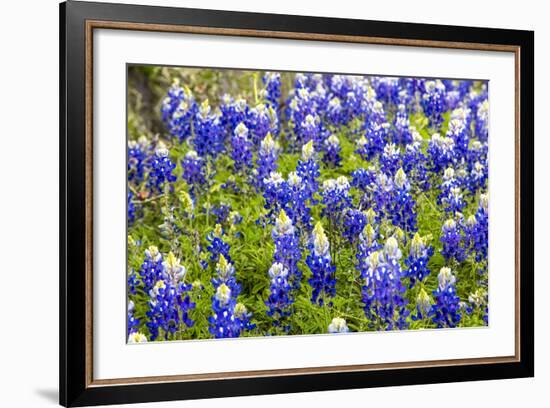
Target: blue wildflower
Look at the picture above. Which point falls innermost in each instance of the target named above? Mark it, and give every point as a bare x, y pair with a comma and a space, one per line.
433, 102
217, 246
390, 159
178, 110
453, 241
336, 198
169, 303
138, 159
382, 290
417, 261
209, 132
441, 153
287, 248
241, 152
133, 323
193, 171
323, 281
280, 297
446, 310
332, 151
482, 121
272, 83
338, 325
161, 170
267, 160
308, 169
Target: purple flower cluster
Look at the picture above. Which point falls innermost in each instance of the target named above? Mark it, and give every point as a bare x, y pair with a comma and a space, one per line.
319, 261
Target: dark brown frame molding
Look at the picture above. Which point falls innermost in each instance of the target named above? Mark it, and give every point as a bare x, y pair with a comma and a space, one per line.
78, 22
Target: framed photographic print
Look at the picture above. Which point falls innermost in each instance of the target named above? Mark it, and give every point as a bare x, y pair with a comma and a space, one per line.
255, 203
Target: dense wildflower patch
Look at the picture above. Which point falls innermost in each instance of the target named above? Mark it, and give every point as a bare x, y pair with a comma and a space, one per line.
266, 203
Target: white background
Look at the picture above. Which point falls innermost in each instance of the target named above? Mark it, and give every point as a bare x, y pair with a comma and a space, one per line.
29, 216
114, 359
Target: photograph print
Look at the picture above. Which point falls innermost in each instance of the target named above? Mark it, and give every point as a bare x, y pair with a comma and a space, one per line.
264, 203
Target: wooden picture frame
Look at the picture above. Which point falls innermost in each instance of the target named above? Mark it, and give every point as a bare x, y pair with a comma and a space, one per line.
78, 20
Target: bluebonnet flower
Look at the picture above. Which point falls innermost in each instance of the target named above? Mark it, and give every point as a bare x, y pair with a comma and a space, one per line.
383, 194
375, 114
451, 196
209, 132
264, 121
371, 144
461, 87
423, 306
287, 247
133, 282
308, 169
446, 310
319, 261
276, 193
338, 325
229, 318
479, 302
340, 84
138, 159
478, 152
387, 89
453, 241
243, 317
178, 110
221, 212
173, 272
478, 176
441, 152
433, 102
458, 131
332, 151
311, 129
368, 243
267, 160
417, 261
193, 171
402, 133
452, 98
415, 163
363, 178
133, 323
280, 298
477, 229
354, 223
131, 208
223, 323
161, 169
217, 246
335, 112
137, 337
301, 105
169, 303
390, 159
482, 121
402, 211
336, 197
295, 199
241, 152
272, 83
234, 112
151, 269
382, 291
